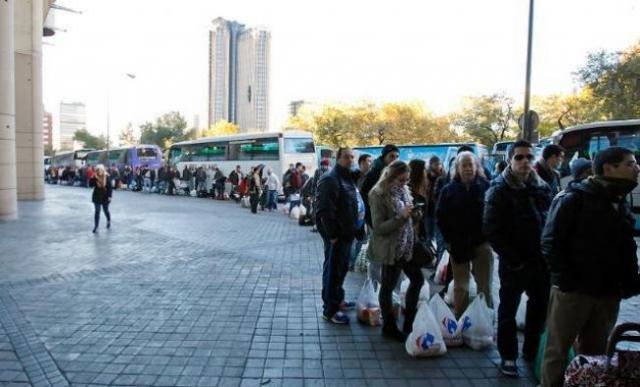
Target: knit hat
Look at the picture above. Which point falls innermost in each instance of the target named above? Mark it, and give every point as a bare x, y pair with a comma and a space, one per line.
579, 166
388, 149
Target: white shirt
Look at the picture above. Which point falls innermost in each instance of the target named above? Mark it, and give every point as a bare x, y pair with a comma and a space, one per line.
272, 182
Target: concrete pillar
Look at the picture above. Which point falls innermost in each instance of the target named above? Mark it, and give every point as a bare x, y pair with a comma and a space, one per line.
8, 192
29, 110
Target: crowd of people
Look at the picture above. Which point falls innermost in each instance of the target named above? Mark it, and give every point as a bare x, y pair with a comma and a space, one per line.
571, 250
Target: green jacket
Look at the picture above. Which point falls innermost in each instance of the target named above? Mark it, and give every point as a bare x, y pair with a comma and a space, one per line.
385, 232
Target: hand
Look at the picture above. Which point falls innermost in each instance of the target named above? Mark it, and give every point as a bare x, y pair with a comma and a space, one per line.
405, 212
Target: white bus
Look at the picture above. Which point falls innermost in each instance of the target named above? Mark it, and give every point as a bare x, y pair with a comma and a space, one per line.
272, 149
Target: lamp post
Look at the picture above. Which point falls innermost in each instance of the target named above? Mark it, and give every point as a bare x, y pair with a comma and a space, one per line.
527, 127
129, 76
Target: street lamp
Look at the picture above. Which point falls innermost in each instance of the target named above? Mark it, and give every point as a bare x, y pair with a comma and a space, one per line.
129, 76
527, 125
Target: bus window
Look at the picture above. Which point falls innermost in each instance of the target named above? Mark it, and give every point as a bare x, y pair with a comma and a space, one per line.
596, 144
147, 153
175, 155
298, 145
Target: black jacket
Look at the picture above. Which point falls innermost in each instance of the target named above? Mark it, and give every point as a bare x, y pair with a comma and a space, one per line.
459, 214
514, 216
551, 177
337, 205
370, 179
101, 195
588, 243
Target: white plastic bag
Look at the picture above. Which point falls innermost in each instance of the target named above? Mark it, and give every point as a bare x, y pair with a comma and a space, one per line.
303, 210
375, 271
367, 305
521, 314
295, 213
441, 270
473, 290
424, 293
425, 339
476, 324
245, 202
451, 332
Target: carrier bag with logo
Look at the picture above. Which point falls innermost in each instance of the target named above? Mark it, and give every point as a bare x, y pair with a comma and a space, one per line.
441, 270
425, 339
446, 320
367, 305
475, 324
473, 290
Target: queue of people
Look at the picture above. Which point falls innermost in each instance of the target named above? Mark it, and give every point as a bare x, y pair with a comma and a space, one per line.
571, 251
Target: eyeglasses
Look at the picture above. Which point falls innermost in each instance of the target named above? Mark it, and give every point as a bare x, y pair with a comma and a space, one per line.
522, 157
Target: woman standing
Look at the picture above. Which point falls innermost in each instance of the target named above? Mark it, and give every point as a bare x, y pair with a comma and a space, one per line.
255, 187
102, 192
459, 214
391, 244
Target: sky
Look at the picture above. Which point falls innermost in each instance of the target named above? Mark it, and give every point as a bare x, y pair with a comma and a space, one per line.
435, 52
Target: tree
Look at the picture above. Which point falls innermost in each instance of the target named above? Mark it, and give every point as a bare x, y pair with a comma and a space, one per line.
614, 81
560, 111
48, 150
488, 118
127, 137
168, 128
89, 140
221, 128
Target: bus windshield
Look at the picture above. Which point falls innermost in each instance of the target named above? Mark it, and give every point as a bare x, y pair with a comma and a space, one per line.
298, 145
146, 153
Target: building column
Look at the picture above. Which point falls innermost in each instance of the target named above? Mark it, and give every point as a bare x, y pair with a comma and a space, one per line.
28, 98
8, 192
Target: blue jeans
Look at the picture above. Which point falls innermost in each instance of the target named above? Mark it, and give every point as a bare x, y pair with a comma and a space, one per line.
96, 215
334, 271
147, 184
271, 200
434, 234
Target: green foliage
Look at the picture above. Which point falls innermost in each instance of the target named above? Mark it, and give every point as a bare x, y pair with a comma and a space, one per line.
167, 129
221, 128
127, 137
488, 118
89, 140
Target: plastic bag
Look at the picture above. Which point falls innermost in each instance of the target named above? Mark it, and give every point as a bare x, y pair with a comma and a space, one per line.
245, 202
424, 292
451, 332
476, 325
367, 305
522, 312
375, 271
303, 210
425, 339
473, 290
295, 213
441, 270
362, 264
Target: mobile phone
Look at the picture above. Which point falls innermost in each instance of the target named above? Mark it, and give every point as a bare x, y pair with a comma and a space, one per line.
418, 206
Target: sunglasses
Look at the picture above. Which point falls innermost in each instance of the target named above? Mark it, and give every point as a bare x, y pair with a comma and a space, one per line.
522, 157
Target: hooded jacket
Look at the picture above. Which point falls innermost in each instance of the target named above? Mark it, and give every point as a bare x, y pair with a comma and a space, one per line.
588, 241
514, 216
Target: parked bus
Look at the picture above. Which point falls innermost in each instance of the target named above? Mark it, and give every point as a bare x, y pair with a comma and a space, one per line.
324, 152
75, 158
272, 149
134, 156
445, 151
586, 140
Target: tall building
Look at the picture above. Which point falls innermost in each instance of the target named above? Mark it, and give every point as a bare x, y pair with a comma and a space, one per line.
73, 117
239, 75
47, 130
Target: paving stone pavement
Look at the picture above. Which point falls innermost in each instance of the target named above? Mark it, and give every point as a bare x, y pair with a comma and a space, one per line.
190, 292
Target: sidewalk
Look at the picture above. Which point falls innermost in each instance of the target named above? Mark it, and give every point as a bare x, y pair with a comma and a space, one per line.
185, 292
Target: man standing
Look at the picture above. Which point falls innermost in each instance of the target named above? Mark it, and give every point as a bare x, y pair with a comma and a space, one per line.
340, 219
589, 247
364, 165
515, 210
546, 167
390, 153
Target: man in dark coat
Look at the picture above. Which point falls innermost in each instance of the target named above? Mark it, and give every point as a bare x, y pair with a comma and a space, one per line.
552, 157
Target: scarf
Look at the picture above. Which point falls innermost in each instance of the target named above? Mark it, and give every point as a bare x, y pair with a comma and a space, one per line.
405, 238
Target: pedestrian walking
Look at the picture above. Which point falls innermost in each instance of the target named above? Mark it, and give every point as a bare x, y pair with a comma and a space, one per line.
101, 197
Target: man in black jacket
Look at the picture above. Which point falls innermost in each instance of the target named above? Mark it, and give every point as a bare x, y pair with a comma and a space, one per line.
552, 157
589, 247
515, 210
390, 153
340, 219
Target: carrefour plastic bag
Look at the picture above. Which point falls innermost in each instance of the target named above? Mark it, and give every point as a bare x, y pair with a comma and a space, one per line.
424, 292
475, 324
522, 312
473, 290
367, 305
441, 270
425, 339
451, 332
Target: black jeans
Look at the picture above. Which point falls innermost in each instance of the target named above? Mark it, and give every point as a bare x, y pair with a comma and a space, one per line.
96, 216
334, 271
533, 278
390, 275
254, 199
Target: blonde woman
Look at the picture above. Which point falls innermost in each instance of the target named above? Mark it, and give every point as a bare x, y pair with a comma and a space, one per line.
459, 214
102, 192
391, 244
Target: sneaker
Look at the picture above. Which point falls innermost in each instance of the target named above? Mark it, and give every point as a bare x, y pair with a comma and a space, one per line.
338, 318
509, 368
347, 305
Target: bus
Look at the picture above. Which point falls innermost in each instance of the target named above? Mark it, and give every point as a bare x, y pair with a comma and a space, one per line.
445, 151
271, 149
134, 156
586, 140
75, 158
325, 152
